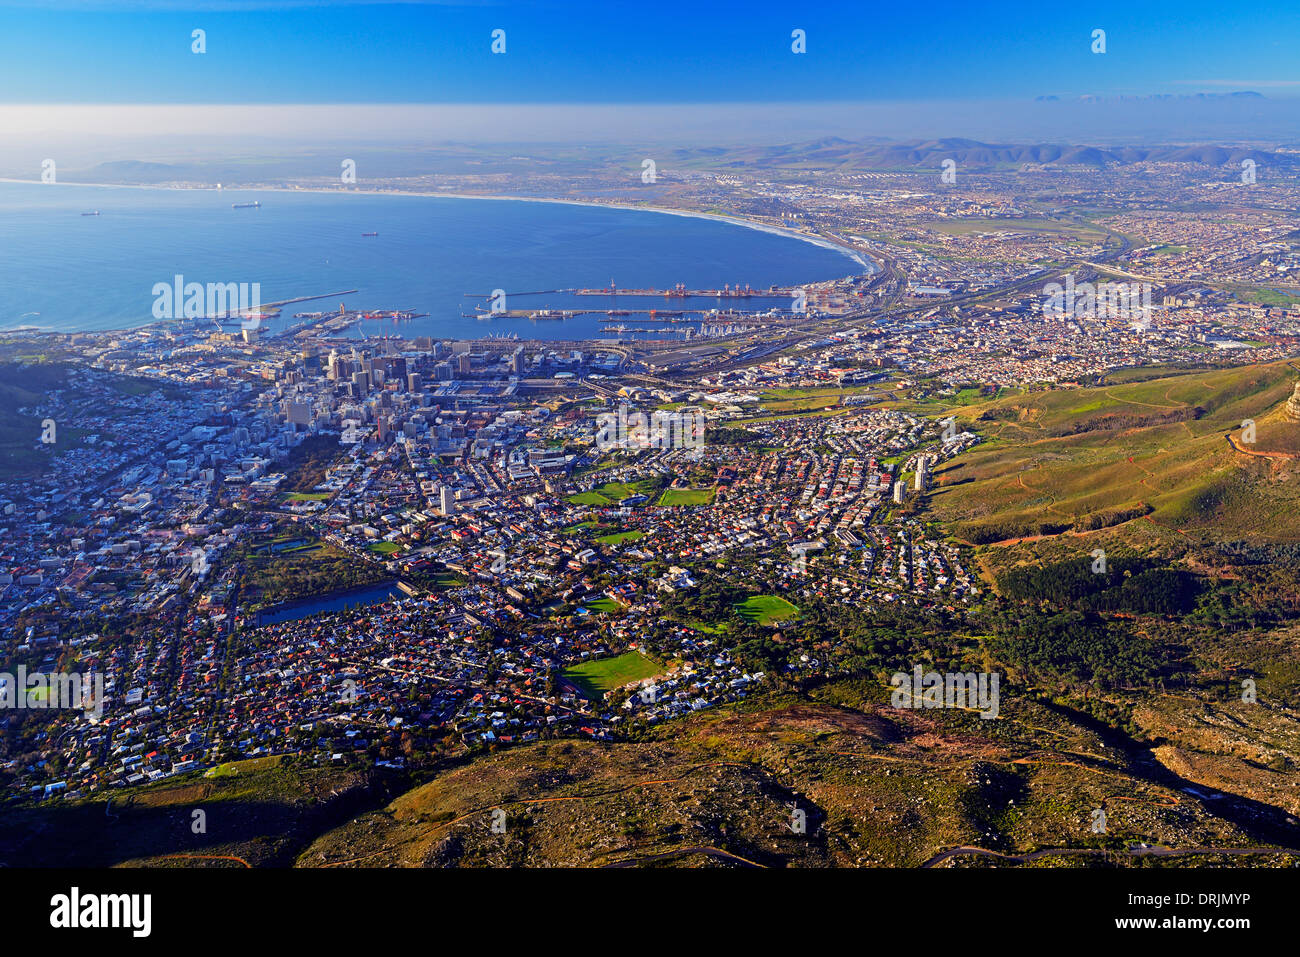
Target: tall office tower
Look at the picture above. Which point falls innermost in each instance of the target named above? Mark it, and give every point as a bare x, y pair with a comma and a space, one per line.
447, 501
298, 411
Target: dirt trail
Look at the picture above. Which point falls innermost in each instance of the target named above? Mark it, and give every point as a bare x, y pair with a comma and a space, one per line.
1282, 456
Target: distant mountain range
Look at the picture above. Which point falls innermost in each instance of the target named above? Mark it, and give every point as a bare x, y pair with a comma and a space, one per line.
836, 152
828, 153
136, 172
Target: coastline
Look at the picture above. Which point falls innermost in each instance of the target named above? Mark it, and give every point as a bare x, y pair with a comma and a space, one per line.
868, 264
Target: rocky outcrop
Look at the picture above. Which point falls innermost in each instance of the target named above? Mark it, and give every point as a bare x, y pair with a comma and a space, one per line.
1293, 405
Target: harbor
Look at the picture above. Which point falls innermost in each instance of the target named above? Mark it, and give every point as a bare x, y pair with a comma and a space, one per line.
676, 321
678, 291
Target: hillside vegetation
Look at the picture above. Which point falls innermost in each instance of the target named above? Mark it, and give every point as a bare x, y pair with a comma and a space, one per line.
1153, 452
876, 786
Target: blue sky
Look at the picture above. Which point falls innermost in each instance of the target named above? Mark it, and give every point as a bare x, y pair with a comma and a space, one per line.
295, 51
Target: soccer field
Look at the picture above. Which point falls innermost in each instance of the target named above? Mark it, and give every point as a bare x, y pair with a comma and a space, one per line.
766, 609
686, 496
597, 677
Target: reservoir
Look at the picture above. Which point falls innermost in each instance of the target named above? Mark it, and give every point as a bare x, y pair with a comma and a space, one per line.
333, 601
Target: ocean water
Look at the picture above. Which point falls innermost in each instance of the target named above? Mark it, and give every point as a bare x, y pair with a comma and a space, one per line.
65, 271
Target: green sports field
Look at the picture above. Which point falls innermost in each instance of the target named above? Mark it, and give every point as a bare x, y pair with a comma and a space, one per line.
597, 677
619, 537
766, 609
611, 493
686, 496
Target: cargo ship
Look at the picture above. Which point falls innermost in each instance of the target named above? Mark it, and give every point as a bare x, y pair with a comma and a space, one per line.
253, 205
95, 213
369, 234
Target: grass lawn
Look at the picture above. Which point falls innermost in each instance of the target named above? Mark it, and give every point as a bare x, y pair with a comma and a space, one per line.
602, 604
810, 399
766, 609
620, 537
687, 496
307, 496
384, 548
605, 674
611, 493
966, 397
1262, 295
232, 768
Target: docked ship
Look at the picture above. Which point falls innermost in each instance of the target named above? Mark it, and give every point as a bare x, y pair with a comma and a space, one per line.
252, 205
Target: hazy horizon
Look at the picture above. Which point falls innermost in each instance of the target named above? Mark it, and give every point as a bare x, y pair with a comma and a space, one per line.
83, 136
93, 81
